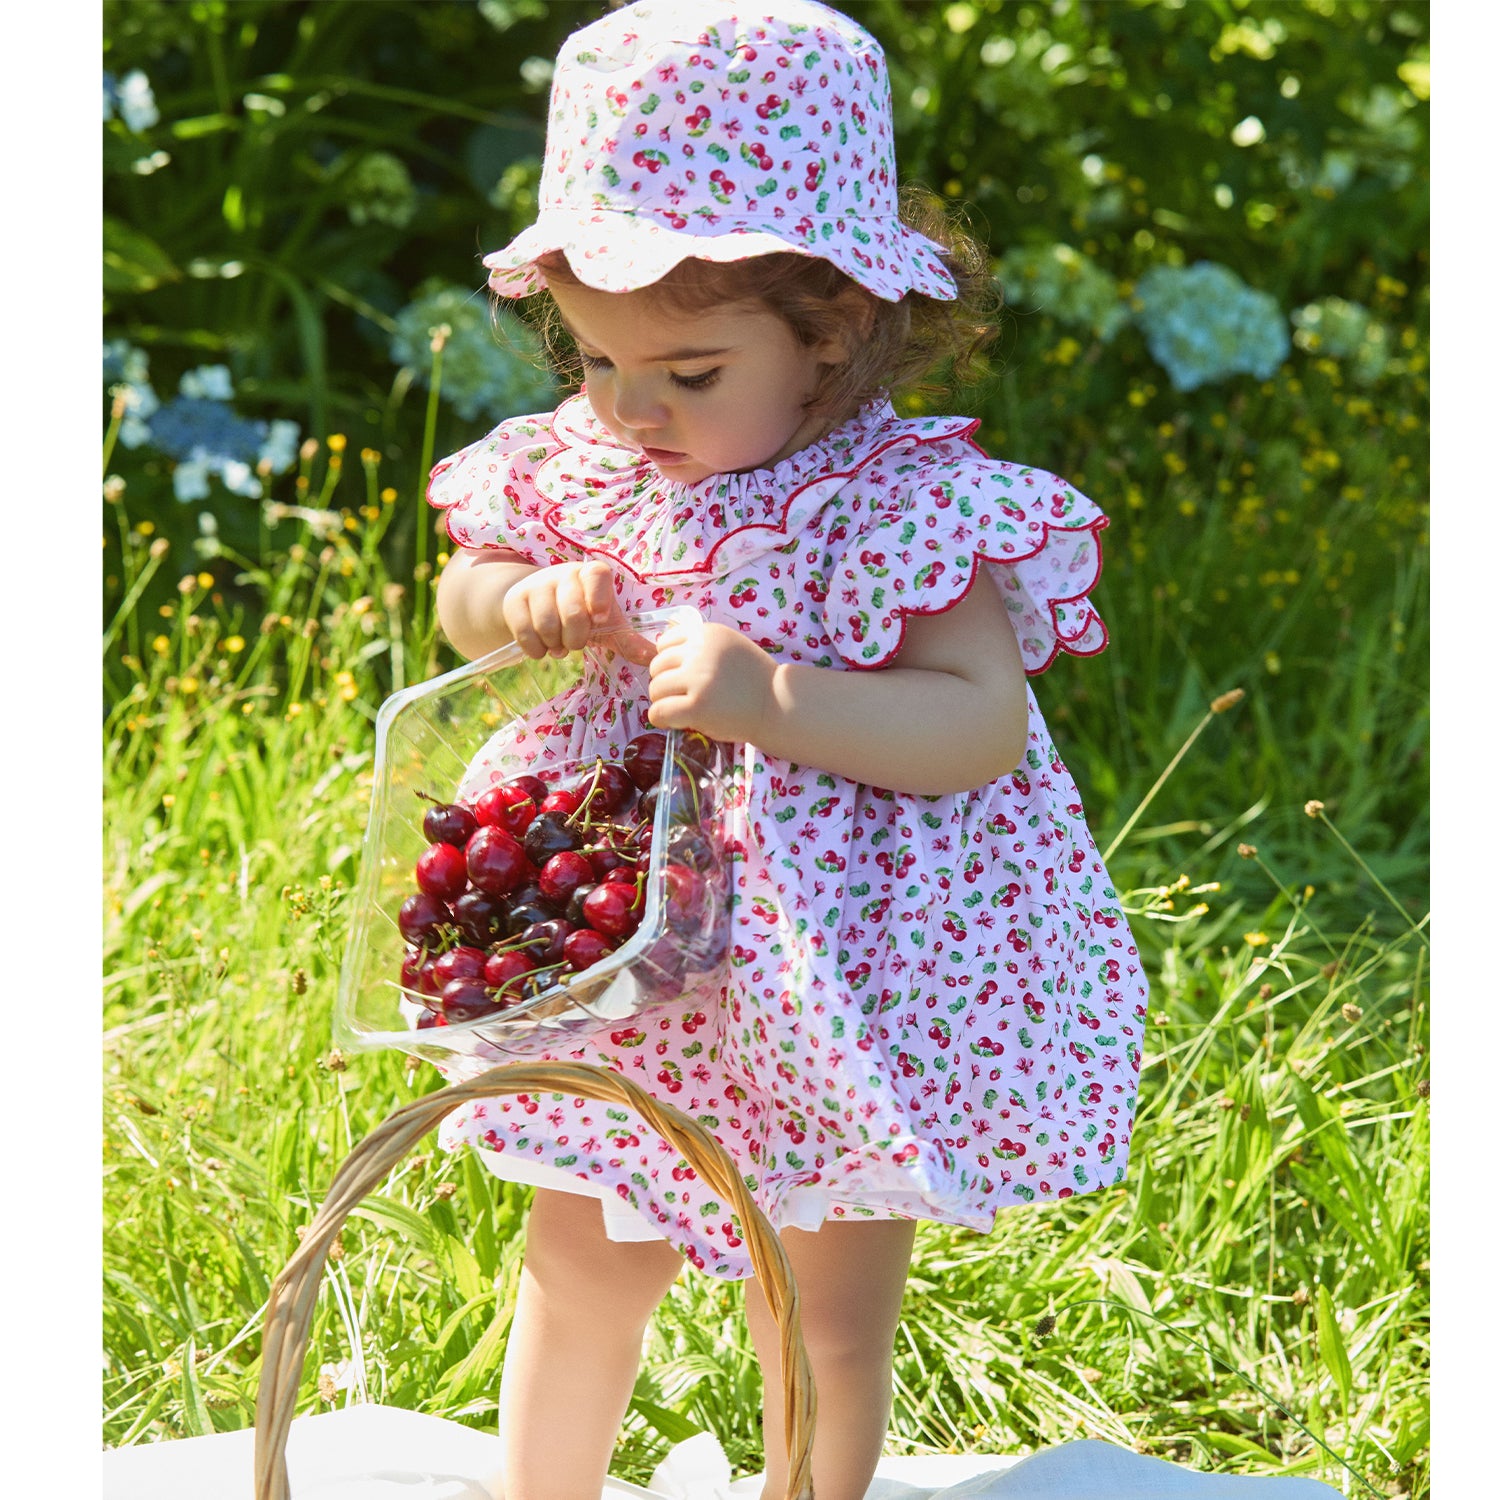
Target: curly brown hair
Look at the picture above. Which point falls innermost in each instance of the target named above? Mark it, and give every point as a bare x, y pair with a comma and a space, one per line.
900, 345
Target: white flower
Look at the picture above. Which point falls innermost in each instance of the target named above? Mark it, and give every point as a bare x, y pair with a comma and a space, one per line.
239, 478
190, 480
140, 406
137, 104
280, 446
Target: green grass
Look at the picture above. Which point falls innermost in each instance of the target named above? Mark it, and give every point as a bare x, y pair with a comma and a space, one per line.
1255, 1299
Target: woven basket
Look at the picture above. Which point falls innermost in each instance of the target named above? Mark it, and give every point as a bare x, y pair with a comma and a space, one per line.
294, 1293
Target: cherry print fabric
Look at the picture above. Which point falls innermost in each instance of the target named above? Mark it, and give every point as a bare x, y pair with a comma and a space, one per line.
715, 130
933, 1006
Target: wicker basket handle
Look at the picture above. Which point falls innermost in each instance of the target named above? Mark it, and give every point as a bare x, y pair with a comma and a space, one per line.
294, 1293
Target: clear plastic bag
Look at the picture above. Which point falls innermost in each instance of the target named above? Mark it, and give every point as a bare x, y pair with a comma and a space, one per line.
448, 742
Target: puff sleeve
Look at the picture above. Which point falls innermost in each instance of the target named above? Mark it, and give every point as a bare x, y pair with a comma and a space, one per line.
920, 551
488, 490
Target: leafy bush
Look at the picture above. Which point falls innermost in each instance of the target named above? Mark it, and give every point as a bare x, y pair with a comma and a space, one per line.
296, 200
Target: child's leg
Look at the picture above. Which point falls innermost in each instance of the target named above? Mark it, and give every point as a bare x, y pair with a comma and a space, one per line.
574, 1347
850, 1277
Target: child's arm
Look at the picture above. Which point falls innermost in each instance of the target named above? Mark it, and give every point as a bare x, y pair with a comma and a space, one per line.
948, 715
489, 596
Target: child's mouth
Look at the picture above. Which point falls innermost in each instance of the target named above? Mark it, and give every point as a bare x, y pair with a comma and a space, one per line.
664, 457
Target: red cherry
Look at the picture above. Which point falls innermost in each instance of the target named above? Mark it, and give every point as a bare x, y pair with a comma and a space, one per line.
421, 916
602, 861
414, 970
467, 1000
623, 875
430, 1018
695, 746
562, 801
544, 940
524, 913
496, 862
607, 787
614, 909
533, 786
643, 757
457, 963
563, 874
550, 834
507, 806
504, 971
584, 948
684, 895
574, 912
442, 871
691, 847
449, 823
480, 917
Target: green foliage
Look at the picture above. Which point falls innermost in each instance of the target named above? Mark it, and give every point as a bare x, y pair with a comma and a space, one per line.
1284, 1089
1259, 1288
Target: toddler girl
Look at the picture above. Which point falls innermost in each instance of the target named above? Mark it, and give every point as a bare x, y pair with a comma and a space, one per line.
932, 1006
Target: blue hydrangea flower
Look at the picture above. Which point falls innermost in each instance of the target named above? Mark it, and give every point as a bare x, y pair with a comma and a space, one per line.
126, 371
131, 98
123, 362
210, 381
493, 365
208, 437
1056, 279
197, 427
1203, 324
378, 189
1345, 331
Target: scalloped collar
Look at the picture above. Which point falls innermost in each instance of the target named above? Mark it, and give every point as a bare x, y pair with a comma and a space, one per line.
599, 495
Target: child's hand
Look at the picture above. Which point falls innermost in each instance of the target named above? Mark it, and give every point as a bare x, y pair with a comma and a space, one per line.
559, 609
712, 679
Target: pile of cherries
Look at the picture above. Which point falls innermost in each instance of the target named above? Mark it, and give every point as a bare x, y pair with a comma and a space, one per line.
540, 878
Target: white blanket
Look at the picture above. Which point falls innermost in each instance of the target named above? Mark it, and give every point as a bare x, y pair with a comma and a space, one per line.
385, 1453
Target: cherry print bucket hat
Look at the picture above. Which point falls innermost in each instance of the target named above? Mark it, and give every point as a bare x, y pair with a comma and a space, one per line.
720, 130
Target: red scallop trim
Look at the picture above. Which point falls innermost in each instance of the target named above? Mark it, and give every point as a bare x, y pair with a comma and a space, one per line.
961, 434
1051, 603
704, 570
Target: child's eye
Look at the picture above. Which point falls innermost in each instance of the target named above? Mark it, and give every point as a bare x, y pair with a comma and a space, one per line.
592, 361
696, 382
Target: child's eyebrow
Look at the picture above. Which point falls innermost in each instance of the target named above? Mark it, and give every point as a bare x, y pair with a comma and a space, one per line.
671, 356
676, 354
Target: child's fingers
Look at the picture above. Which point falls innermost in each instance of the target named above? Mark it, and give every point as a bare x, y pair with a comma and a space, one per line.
570, 606
631, 644
597, 582
516, 610
668, 658
668, 710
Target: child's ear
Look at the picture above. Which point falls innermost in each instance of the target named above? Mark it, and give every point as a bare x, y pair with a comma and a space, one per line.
857, 321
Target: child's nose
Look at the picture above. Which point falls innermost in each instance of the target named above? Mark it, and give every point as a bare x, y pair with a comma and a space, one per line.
637, 406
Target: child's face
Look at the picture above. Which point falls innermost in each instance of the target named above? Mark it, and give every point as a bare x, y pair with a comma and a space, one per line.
705, 393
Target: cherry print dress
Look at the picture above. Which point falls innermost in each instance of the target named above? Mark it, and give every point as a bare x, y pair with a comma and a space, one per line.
932, 1006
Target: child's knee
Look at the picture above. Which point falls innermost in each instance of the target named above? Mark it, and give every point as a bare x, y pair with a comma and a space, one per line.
579, 1271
